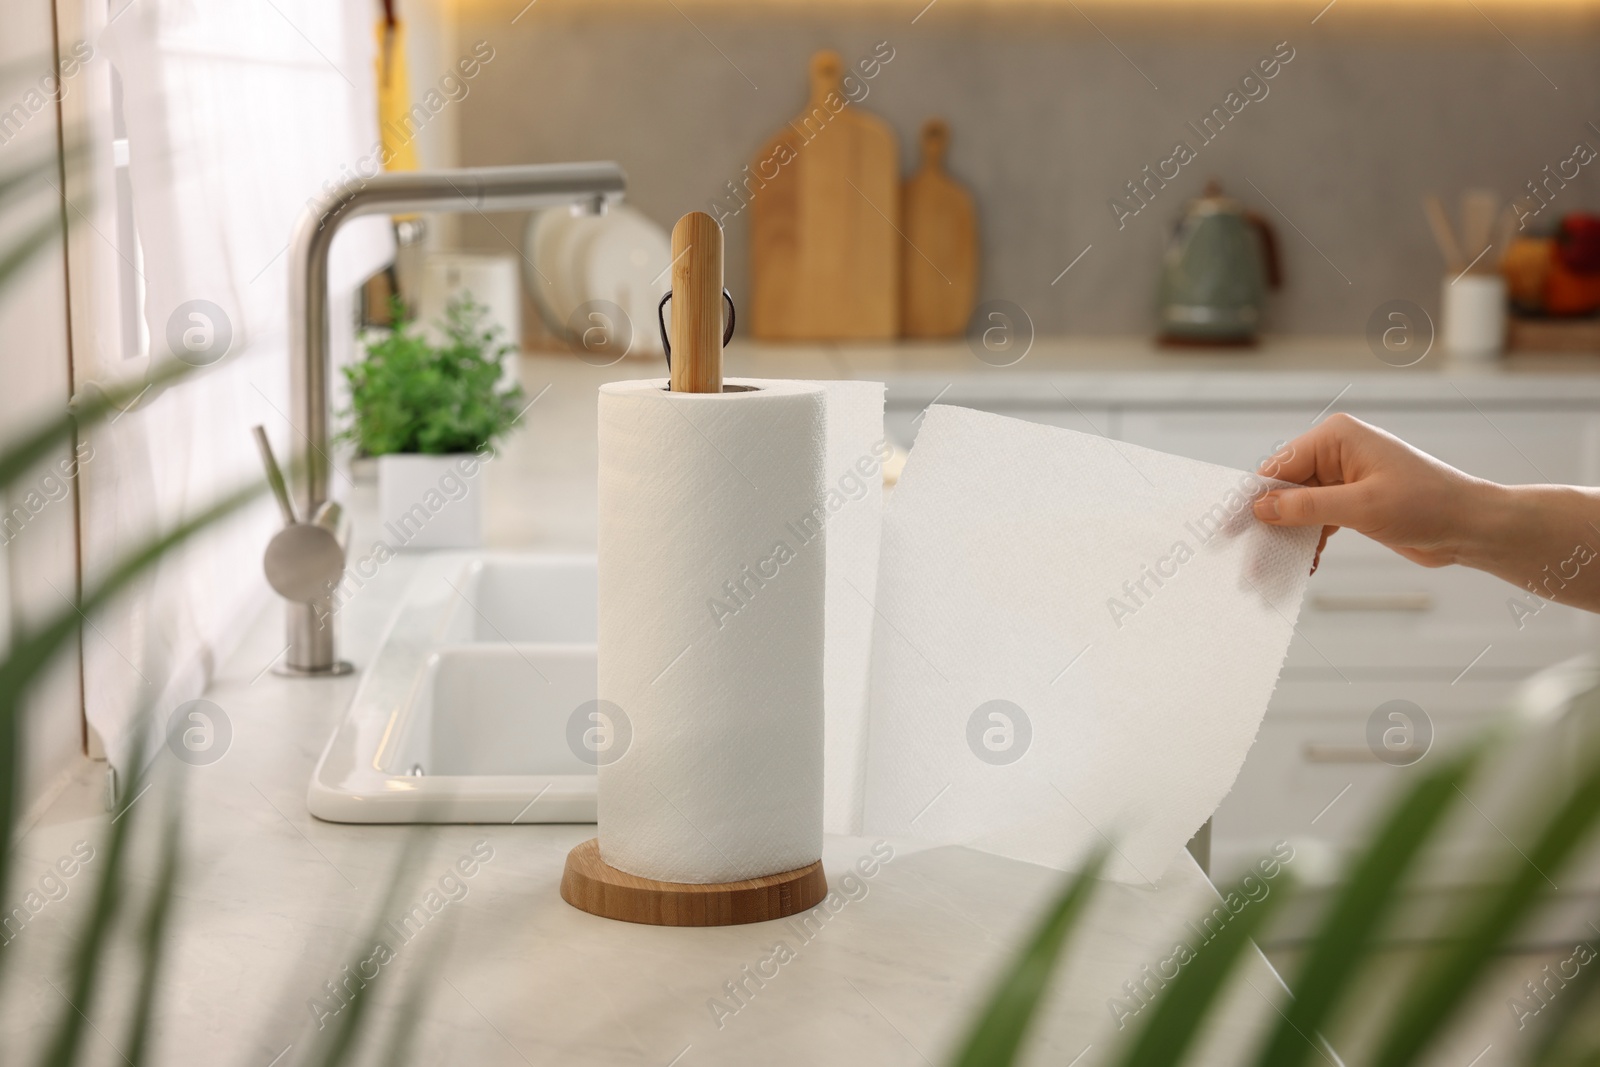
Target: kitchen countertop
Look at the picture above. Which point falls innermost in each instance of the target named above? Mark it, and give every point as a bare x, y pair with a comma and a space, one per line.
1129, 370
273, 903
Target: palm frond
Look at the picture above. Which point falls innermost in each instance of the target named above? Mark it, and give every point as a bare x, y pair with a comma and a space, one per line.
32, 651
1354, 920
1180, 1008
152, 937
348, 1029
1453, 976
1000, 1029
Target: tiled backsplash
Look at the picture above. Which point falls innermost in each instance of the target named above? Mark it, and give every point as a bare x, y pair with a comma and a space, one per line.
1052, 115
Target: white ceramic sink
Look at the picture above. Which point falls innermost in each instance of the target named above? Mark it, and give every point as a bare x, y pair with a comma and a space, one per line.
464, 713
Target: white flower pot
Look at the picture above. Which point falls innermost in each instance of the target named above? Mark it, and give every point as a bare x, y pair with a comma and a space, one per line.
431, 501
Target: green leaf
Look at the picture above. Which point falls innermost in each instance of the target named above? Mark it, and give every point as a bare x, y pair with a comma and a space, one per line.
23, 453
31, 651
152, 937
1446, 984
1351, 925
998, 1032
90, 954
1577, 1006
1180, 1008
348, 1029
401, 1046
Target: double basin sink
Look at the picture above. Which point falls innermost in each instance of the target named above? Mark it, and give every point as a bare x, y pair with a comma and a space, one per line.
474, 706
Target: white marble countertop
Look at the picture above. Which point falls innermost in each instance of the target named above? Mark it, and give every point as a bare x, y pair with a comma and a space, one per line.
273, 903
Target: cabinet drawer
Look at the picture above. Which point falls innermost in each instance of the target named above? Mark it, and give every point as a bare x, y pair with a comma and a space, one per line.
1511, 446
1313, 777
1394, 615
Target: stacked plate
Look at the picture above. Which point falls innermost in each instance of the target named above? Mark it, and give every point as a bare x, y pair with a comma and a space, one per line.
596, 280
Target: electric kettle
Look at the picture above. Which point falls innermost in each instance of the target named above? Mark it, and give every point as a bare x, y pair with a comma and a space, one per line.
1215, 274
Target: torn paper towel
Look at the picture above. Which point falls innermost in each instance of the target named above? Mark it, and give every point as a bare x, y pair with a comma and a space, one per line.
1075, 641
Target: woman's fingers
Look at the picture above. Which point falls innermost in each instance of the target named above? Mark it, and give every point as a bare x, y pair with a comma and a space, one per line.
1326, 505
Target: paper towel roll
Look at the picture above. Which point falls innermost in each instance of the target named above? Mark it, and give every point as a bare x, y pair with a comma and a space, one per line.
712, 606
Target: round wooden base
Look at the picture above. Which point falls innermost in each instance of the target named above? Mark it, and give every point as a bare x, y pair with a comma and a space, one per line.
589, 884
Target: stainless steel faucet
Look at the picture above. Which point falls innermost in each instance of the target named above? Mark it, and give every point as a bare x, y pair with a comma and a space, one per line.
585, 186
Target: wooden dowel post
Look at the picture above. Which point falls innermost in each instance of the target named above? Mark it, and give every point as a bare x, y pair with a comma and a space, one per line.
697, 311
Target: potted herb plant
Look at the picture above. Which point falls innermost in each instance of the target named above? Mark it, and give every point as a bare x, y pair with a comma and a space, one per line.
430, 414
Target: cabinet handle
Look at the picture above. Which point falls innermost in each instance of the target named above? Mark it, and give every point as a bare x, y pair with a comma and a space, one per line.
1372, 601
1315, 752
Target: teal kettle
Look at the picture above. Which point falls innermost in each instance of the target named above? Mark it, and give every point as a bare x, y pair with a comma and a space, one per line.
1216, 272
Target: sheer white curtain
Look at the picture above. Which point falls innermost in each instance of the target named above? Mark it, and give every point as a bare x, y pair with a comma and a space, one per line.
237, 113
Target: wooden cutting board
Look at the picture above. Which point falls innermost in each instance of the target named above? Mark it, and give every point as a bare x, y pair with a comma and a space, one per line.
824, 252
939, 256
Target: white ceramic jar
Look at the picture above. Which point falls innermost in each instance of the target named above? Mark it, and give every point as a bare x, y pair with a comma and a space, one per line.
1474, 308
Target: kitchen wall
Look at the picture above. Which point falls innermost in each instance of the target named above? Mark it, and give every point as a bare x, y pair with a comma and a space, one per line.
1050, 119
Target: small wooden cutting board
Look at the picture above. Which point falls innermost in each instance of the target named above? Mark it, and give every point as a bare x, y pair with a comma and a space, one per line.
825, 191
939, 261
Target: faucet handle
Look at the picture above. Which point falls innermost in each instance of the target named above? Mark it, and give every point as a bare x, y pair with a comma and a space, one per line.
280, 488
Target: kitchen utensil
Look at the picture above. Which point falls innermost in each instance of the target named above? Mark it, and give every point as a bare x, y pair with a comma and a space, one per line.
1216, 271
543, 274
1443, 236
623, 260
1479, 208
824, 194
939, 257
735, 735
619, 258
1505, 235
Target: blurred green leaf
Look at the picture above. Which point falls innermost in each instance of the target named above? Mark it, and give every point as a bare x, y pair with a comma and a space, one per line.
1352, 924
1454, 972
1000, 1029
1180, 1008
347, 1029
152, 937
1579, 1005
32, 650
90, 955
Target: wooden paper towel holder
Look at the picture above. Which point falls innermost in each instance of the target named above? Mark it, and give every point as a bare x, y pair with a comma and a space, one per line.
589, 883
592, 885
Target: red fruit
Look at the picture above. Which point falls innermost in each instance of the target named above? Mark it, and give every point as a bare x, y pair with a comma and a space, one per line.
1578, 243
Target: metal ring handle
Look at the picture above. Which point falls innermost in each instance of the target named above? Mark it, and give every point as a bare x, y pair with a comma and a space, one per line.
661, 321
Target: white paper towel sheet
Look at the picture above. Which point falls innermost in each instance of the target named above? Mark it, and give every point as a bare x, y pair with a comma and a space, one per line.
711, 622
1075, 641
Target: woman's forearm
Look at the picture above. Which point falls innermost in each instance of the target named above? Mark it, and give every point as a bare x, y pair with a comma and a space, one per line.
1542, 538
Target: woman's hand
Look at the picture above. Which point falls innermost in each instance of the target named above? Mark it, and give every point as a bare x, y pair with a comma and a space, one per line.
1359, 476
1543, 538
